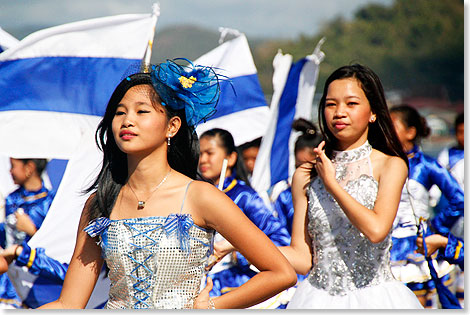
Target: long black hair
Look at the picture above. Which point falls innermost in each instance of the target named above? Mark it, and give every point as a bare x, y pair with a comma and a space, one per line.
410, 117
183, 153
382, 135
227, 143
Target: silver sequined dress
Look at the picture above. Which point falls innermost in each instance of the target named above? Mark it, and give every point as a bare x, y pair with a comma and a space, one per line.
154, 262
348, 270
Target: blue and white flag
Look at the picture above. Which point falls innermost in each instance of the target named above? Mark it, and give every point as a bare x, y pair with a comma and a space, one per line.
55, 86
6, 40
56, 82
294, 88
242, 109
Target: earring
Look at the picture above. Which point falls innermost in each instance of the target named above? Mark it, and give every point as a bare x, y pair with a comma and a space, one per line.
372, 119
169, 137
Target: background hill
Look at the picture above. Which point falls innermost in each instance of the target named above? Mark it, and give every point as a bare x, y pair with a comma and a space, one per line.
416, 47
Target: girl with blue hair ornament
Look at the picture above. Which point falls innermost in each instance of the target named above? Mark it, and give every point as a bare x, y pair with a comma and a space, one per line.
148, 217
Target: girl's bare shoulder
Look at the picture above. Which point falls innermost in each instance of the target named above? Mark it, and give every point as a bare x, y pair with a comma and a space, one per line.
383, 162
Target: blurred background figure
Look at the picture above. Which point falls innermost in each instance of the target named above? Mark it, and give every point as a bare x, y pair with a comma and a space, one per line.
452, 158
408, 265
249, 151
303, 150
309, 139
231, 271
25, 210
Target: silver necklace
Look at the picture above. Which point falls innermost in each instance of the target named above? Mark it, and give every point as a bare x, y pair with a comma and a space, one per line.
141, 203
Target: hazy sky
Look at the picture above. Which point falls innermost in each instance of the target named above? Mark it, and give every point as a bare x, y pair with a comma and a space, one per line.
256, 18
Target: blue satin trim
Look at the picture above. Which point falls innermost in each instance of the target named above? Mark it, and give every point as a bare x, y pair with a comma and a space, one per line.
285, 208
36, 209
97, 226
43, 265
179, 225
248, 200
402, 247
450, 251
455, 155
428, 172
174, 225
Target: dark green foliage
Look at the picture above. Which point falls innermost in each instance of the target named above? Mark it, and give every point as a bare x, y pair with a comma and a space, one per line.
413, 45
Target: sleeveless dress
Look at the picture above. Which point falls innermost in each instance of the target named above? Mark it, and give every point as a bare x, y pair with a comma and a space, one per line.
154, 262
348, 270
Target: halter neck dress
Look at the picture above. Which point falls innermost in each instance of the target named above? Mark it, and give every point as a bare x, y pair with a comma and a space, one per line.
349, 271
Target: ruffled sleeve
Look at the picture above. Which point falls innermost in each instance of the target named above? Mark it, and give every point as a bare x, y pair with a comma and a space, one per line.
97, 226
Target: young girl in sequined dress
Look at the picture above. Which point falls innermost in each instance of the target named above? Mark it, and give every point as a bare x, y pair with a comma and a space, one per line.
148, 218
346, 199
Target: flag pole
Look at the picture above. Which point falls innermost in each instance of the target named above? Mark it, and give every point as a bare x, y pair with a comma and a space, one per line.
148, 52
222, 174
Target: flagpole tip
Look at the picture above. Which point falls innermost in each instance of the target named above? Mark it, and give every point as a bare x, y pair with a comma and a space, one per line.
156, 9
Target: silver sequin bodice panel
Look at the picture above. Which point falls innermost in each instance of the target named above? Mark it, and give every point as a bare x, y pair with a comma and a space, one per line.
155, 262
344, 259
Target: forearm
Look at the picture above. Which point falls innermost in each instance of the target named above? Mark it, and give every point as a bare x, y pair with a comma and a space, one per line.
262, 286
58, 304
300, 260
30, 229
365, 220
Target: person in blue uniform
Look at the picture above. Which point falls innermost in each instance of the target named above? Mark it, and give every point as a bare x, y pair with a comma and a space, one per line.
303, 151
233, 270
50, 274
452, 158
449, 248
25, 210
407, 264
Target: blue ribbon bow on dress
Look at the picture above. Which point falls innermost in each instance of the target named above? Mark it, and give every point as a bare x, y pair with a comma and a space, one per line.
97, 226
179, 224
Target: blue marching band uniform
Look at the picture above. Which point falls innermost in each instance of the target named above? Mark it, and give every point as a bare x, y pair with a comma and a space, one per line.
234, 270
407, 265
36, 205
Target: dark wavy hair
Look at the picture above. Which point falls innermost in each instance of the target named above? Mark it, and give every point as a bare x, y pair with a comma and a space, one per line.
410, 117
183, 154
382, 135
228, 144
310, 138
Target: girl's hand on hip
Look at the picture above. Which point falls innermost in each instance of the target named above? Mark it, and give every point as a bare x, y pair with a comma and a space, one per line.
202, 300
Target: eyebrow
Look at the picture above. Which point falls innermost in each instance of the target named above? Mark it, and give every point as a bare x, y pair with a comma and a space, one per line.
332, 98
137, 104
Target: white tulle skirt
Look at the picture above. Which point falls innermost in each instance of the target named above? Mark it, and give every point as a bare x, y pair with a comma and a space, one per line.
387, 295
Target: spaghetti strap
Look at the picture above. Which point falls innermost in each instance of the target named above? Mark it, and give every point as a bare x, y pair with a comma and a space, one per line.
184, 198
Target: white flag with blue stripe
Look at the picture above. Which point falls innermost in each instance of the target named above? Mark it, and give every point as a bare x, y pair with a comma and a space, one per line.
294, 88
55, 85
6, 40
242, 109
56, 82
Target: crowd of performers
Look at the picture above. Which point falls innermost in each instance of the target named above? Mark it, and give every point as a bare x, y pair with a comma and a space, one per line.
170, 234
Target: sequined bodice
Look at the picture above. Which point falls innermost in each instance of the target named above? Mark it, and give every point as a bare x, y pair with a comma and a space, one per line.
344, 259
155, 262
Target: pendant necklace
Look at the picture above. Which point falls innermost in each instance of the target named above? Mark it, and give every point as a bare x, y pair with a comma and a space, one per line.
141, 203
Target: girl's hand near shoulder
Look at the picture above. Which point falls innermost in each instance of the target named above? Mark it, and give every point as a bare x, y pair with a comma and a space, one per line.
325, 167
218, 212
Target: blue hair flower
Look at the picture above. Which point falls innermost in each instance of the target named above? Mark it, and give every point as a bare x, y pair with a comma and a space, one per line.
193, 88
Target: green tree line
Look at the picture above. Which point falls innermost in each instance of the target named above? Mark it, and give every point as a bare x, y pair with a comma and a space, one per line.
414, 46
